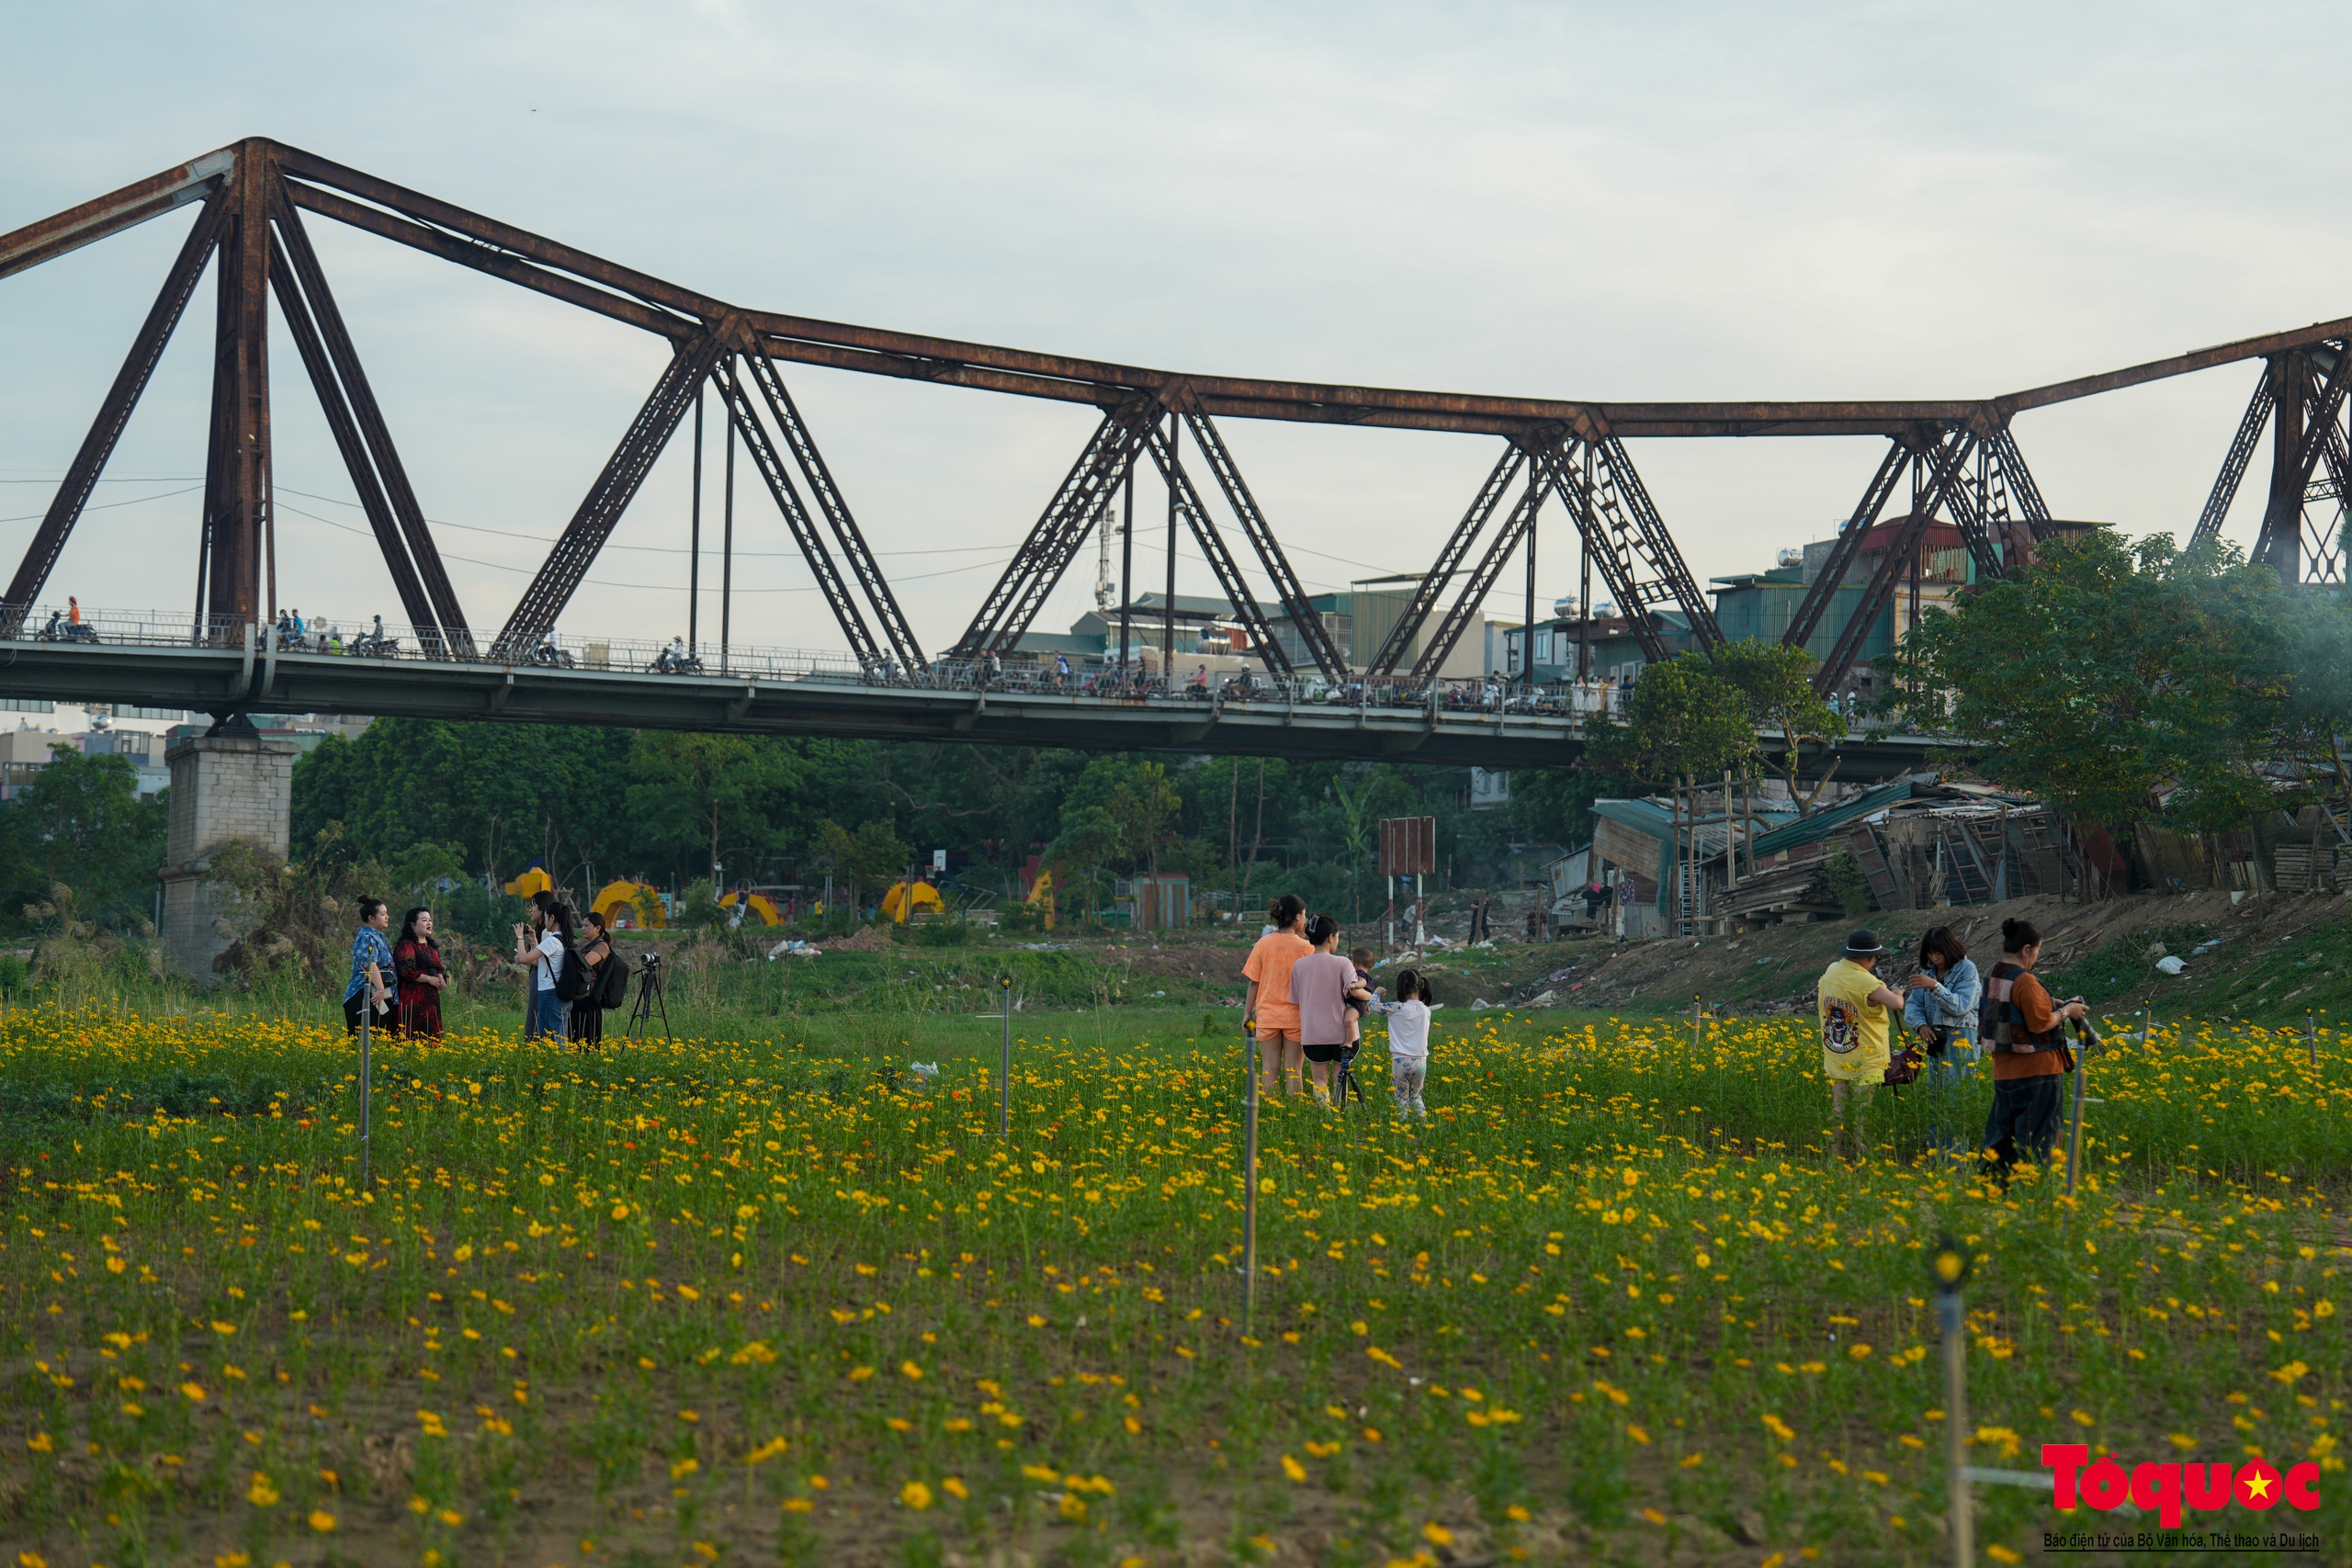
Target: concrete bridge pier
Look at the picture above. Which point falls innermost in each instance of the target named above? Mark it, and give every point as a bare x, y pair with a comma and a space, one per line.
228, 785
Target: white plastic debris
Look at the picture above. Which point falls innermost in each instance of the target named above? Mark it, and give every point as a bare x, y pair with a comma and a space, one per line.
2170, 964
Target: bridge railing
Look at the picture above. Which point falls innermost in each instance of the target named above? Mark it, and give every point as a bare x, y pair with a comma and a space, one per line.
321, 637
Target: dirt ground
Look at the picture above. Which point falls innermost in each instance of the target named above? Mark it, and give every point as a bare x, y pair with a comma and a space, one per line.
1775, 968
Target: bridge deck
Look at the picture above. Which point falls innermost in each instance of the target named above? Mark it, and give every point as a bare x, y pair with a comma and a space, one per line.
767, 702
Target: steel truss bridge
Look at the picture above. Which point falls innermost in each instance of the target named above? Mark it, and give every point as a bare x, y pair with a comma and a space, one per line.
255, 201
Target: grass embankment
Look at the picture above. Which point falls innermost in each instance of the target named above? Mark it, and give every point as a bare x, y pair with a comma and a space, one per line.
731, 1299
2271, 960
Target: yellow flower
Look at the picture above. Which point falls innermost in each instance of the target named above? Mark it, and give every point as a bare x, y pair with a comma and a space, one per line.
1437, 1534
322, 1521
2000, 1553
194, 1391
1292, 1469
954, 1486
260, 1493
2180, 1440
908, 1369
915, 1495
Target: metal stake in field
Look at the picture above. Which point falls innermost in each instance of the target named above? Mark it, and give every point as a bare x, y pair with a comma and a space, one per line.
2085, 1037
1694, 1023
2311, 1034
1249, 1182
1951, 1270
1004, 1068
366, 1032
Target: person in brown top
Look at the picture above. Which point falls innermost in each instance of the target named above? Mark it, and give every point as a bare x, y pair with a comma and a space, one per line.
2024, 1034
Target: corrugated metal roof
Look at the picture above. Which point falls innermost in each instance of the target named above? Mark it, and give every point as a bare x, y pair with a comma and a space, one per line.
1821, 824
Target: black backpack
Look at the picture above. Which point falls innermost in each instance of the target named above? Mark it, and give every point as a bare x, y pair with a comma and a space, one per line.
575, 979
612, 988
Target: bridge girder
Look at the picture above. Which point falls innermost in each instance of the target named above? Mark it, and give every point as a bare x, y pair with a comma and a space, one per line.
250, 231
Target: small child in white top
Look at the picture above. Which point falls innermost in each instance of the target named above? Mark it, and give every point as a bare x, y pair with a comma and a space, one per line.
1408, 1041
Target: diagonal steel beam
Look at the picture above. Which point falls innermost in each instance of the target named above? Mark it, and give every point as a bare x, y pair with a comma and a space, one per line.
1220, 559
2233, 466
1053, 542
2031, 508
485, 258
895, 629
1600, 522
1950, 457
2317, 408
368, 419
1448, 563
1311, 629
1973, 509
600, 511
1481, 581
1822, 590
196, 180
870, 655
303, 327
1645, 541
114, 413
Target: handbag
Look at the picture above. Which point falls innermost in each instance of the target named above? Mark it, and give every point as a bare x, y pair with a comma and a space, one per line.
1903, 1067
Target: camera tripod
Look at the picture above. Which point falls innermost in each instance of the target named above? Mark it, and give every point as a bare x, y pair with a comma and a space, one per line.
650, 1001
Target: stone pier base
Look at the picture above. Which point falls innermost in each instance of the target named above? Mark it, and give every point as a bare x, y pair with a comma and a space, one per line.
224, 789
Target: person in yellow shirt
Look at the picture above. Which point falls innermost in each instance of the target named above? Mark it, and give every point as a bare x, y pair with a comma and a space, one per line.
1857, 1011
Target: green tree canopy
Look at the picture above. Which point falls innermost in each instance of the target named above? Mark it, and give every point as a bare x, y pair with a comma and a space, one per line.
2121, 682
81, 822
1775, 685
1683, 720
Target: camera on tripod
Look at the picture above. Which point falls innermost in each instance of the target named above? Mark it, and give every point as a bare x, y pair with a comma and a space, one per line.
651, 1001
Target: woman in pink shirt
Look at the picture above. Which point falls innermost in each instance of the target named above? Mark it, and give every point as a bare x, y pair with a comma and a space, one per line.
1268, 1012
1320, 983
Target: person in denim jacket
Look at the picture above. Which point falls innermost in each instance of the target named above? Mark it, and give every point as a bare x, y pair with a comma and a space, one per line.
1942, 1011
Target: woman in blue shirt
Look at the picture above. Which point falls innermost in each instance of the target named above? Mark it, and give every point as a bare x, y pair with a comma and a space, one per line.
1941, 1009
371, 967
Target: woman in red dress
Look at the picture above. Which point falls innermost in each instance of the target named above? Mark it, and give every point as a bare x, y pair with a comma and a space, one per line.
417, 961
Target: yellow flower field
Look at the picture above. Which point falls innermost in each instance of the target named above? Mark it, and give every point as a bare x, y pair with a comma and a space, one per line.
737, 1299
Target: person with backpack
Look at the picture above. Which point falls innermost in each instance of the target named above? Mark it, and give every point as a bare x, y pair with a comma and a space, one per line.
591, 959
2025, 1034
1855, 1010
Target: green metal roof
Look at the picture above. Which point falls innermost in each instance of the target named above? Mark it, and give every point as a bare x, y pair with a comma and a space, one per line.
1821, 824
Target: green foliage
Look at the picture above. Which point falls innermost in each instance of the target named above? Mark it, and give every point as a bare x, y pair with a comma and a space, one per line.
1682, 720
81, 822
869, 859
1775, 685
2126, 683
1121, 813
709, 796
1555, 804
506, 793
1847, 884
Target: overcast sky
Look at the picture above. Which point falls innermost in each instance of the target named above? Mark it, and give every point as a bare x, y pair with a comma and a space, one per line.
1602, 201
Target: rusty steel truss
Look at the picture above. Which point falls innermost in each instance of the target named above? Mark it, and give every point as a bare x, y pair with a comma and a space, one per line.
1959, 457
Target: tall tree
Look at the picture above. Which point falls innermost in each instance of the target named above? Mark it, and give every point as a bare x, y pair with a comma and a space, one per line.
2119, 683
1775, 683
81, 822
722, 792
1682, 720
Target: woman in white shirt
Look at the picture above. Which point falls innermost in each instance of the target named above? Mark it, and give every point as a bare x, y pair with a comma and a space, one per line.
1408, 1041
550, 1014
